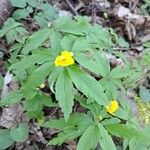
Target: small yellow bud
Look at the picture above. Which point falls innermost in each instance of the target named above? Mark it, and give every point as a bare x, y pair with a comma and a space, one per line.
42, 86
112, 107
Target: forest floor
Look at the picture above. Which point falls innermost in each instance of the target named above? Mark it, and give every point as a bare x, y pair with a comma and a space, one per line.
129, 19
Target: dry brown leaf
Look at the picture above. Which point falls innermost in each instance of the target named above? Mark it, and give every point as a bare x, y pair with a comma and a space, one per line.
12, 115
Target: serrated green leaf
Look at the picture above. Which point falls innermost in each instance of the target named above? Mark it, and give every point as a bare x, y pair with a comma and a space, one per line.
110, 121
88, 63
13, 31
36, 39
55, 39
127, 132
53, 77
20, 4
73, 128
35, 114
67, 42
99, 37
118, 72
29, 61
137, 145
77, 119
20, 13
33, 104
47, 100
89, 139
87, 85
49, 11
64, 93
65, 24
77, 46
67, 135
33, 3
9, 25
36, 79
11, 98
5, 139
41, 20
20, 133
29, 9
103, 63
105, 139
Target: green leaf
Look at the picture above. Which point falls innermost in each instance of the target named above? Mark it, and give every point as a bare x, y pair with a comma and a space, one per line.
99, 37
33, 104
55, 39
147, 44
5, 139
36, 114
76, 119
65, 24
67, 135
33, 3
88, 63
29, 61
20, 133
102, 62
146, 58
11, 98
89, 139
73, 128
41, 20
20, 13
29, 9
36, 39
9, 25
118, 72
77, 46
87, 85
14, 31
38, 102
144, 94
53, 77
36, 79
137, 145
105, 139
1, 81
64, 93
20, 3
127, 132
47, 100
49, 11
67, 42
123, 43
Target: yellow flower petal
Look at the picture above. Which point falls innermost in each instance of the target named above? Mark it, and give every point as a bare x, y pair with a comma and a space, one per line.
65, 59
112, 107
42, 86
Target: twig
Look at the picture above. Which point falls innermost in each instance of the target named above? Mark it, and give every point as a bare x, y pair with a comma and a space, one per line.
134, 5
121, 48
93, 12
143, 76
71, 7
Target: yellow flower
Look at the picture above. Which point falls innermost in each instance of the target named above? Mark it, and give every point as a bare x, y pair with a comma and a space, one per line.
65, 59
112, 107
42, 86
